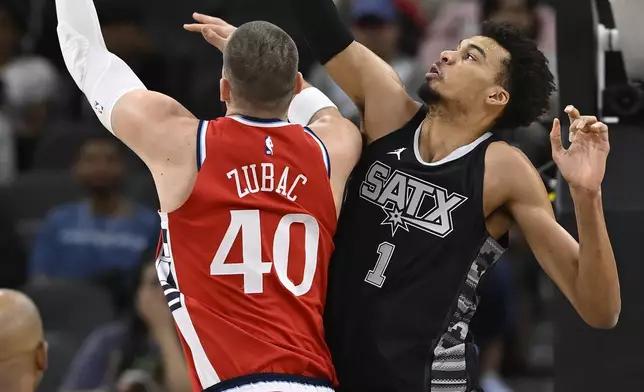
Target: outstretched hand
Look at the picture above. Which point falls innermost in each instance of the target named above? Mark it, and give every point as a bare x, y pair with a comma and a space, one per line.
214, 30
583, 164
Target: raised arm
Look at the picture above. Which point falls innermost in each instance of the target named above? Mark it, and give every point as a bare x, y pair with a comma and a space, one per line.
586, 272
369, 81
340, 137
154, 126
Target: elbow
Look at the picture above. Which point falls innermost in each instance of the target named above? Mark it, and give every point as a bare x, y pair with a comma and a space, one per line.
600, 307
604, 323
605, 318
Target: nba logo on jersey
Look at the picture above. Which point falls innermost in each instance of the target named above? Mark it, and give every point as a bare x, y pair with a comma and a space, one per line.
269, 145
98, 107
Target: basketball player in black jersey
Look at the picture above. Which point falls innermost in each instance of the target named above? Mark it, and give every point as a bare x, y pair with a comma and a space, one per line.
429, 205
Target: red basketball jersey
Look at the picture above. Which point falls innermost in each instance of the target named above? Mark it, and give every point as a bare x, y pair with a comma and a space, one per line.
244, 261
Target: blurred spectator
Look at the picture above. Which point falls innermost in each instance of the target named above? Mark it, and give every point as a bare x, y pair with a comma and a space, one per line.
23, 358
126, 37
29, 86
142, 351
413, 23
98, 236
375, 24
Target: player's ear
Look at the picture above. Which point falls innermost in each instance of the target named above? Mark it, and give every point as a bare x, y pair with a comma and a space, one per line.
42, 354
224, 90
498, 96
41, 360
299, 83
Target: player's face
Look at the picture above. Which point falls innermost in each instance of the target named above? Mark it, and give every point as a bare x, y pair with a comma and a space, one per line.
467, 75
100, 166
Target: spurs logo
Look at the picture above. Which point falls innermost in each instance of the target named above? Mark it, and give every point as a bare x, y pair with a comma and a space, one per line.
406, 201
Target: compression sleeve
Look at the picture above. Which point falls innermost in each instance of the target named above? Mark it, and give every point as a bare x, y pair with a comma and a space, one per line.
305, 104
100, 75
323, 29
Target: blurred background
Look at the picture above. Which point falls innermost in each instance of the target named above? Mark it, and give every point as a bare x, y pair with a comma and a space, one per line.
78, 226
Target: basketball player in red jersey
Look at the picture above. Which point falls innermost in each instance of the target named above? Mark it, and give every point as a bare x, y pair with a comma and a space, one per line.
249, 202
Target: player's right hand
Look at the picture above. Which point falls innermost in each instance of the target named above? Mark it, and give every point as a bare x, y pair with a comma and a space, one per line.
214, 30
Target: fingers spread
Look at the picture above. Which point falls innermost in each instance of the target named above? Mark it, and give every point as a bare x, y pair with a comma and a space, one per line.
572, 112
194, 27
555, 137
206, 19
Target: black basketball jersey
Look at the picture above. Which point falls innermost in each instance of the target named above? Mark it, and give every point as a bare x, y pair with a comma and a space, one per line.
411, 247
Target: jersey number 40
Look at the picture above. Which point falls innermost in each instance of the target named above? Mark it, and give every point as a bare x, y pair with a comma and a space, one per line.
252, 267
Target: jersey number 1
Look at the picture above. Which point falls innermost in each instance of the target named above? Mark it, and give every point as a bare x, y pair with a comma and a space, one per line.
252, 267
376, 276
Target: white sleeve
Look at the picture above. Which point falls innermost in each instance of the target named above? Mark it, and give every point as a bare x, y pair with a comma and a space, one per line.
101, 76
305, 104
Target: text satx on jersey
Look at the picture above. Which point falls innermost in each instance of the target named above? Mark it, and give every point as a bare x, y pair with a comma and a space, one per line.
402, 197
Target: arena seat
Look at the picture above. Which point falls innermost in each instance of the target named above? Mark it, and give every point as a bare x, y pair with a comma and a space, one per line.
32, 195
73, 307
59, 145
62, 349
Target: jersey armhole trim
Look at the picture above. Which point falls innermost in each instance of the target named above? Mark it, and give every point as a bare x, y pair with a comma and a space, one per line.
409, 127
201, 143
325, 152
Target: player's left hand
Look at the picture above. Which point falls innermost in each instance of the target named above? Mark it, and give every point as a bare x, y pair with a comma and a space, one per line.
583, 164
153, 309
214, 30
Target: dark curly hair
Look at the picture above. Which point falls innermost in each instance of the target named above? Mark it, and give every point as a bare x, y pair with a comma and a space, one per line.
525, 74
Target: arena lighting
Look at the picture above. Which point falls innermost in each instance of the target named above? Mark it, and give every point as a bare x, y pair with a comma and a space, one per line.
623, 102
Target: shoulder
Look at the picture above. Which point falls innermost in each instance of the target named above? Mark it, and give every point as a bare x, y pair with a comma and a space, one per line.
509, 173
329, 124
500, 153
141, 109
220, 126
339, 135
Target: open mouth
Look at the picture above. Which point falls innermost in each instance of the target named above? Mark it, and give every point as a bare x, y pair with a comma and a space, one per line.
434, 72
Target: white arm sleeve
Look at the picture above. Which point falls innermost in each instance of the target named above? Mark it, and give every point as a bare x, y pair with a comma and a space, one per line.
101, 76
305, 104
